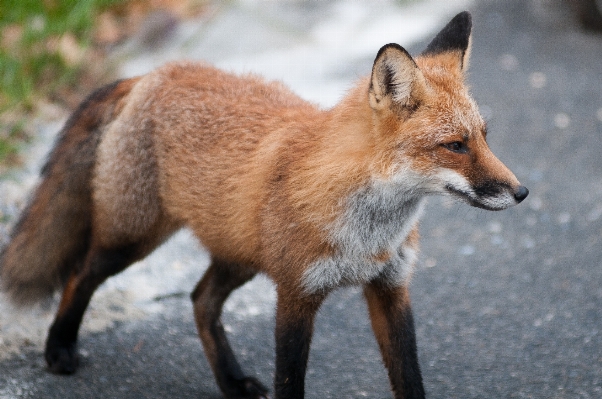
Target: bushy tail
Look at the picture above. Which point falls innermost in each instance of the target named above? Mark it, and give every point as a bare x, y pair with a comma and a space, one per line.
52, 235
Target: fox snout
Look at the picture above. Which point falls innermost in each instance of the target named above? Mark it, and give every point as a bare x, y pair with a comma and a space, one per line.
496, 196
492, 196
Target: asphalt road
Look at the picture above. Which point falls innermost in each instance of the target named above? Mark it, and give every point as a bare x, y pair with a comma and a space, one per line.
507, 304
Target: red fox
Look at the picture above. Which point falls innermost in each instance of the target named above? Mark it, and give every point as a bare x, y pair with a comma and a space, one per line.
315, 199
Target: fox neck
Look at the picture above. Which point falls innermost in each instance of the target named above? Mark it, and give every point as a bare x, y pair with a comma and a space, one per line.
375, 213
376, 219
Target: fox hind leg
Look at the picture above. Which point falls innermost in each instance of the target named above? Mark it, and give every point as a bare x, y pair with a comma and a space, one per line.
208, 297
61, 351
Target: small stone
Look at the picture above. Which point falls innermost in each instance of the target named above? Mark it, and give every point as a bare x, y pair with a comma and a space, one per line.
538, 80
536, 203
495, 227
564, 218
467, 250
562, 120
508, 62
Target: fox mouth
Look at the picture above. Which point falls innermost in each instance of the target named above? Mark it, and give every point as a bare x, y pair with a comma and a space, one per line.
491, 197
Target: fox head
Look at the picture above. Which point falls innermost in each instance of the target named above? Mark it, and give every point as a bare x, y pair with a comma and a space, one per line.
422, 110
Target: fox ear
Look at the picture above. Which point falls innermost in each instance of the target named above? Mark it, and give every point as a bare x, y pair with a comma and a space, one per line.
454, 37
396, 79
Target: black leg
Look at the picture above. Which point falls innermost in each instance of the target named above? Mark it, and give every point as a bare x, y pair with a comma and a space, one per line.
61, 344
209, 297
294, 328
393, 325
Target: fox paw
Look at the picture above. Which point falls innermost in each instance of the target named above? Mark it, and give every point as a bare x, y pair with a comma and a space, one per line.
247, 388
61, 359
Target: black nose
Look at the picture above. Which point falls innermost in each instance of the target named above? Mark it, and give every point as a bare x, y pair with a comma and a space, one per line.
521, 193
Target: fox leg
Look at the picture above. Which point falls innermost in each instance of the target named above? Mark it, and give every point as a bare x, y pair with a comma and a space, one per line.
393, 325
295, 317
209, 296
61, 351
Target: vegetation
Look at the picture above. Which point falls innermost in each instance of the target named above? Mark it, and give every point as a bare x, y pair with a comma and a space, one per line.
43, 45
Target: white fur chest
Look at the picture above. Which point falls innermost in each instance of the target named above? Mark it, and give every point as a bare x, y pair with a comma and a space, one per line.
370, 237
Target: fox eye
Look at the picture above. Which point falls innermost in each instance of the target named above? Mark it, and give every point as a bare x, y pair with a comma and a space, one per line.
456, 146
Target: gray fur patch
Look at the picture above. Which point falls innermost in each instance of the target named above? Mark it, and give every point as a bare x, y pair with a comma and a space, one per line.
377, 220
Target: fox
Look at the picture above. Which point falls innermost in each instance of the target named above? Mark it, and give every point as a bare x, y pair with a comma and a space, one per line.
315, 199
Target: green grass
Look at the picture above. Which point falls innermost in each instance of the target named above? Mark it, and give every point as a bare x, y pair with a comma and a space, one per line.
11, 135
32, 61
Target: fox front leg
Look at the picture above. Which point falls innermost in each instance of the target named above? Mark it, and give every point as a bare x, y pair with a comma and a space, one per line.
295, 317
393, 325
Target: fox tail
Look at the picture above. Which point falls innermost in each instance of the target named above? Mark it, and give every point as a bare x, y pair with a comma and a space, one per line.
52, 236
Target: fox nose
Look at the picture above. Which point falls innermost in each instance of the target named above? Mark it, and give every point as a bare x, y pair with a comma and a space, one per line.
520, 194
